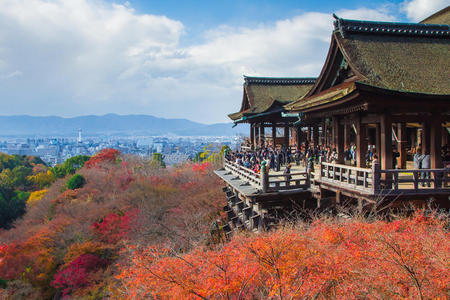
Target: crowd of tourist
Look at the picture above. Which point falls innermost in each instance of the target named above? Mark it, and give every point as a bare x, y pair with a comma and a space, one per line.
309, 155
305, 155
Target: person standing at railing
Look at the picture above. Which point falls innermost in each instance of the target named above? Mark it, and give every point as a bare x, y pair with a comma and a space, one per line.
417, 158
374, 159
426, 164
287, 174
272, 160
278, 157
298, 157
309, 163
247, 163
395, 157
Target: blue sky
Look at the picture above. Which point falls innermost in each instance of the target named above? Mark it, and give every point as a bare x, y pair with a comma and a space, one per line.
174, 59
199, 16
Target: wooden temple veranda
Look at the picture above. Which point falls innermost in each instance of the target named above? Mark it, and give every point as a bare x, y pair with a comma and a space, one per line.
384, 86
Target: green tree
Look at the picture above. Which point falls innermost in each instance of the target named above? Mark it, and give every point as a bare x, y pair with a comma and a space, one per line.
77, 181
12, 206
70, 166
158, 160
20, 174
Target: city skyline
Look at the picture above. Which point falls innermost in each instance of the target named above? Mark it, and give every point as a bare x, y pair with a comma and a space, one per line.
168, 59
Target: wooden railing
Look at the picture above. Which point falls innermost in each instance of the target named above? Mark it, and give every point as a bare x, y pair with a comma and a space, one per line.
269, 182
375, 181
414, 181
368, 181
297, 180
353, 178
243, 172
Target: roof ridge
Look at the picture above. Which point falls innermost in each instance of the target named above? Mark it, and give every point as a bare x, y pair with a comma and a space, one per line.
279, 80
345, 26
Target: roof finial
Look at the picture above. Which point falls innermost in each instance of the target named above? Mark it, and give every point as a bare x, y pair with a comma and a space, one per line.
336, 17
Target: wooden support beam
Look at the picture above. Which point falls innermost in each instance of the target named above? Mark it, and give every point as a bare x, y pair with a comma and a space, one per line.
261, 135
426, 137
445, 136
256, 135
414, 137
401, 145
435, 143
316, 135
286, 136
361, 144
386, 141
338, 131
308, 135
252, 136
346, 135
274, 136
378, 140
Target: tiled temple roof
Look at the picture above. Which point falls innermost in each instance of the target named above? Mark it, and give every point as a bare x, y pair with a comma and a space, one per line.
389, 56
345, 26
262, 93
279, 80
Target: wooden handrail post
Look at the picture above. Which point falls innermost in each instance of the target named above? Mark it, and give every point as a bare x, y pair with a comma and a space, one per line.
376, 177
264, 177
416, 180
308, 178
319, 176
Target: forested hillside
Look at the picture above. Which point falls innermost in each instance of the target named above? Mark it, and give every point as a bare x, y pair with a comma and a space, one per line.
25, 178
126, 228
70, 240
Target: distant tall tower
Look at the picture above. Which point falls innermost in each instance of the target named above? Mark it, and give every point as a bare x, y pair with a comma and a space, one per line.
79, 135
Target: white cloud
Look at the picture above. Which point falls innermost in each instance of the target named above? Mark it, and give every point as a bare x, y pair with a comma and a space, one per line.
381, 14
11, 75
88, 57
417, 10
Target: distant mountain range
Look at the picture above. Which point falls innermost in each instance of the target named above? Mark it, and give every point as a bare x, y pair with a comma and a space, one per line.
112, 124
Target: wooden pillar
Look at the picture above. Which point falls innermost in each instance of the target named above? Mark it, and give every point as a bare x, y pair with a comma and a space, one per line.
414, 137
435, 142
274, 136
252, 136
378, 140
308, 135
426, 137
261, 135
386, 141
444, 136
346, 136
338, 138
293, 136
401, 146
286, 136
316, 135
361, 144
256, 135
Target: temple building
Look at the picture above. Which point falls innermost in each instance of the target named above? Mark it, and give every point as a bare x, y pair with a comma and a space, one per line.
263, 107
384, 93
383, 80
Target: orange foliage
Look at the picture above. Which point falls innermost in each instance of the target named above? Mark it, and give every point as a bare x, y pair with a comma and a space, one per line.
104, 156
405, 259
32, 260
